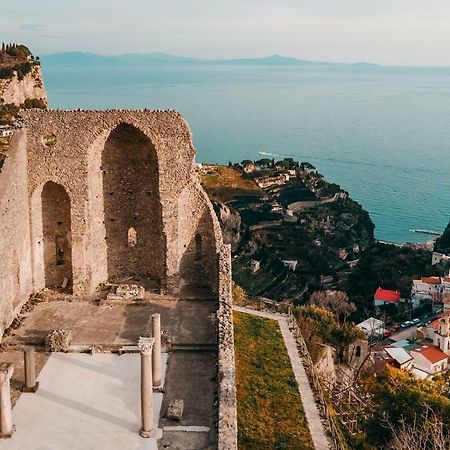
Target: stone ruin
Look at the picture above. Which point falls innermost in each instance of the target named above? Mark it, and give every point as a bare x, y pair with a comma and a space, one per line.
112, 197
95, 198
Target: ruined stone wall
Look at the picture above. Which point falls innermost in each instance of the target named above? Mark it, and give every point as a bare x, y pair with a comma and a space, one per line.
15, 251
134, 205
227, 414
70, 148
68, 173
199, 238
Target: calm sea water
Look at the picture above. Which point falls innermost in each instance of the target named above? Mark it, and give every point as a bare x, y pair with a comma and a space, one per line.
381, 133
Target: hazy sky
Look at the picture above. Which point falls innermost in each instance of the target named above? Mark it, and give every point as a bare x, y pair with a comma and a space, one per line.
400, 32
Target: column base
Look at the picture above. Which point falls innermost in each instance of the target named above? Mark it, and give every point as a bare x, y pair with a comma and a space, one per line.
146, 434
159, 388
31, 389
8, 435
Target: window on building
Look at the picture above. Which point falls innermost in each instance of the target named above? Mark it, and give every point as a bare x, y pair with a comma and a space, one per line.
358, 352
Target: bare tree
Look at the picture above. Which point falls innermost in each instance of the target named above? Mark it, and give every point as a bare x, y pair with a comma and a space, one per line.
426, 432
336, 301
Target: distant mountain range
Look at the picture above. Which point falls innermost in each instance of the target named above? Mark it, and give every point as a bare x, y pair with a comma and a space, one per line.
81, 58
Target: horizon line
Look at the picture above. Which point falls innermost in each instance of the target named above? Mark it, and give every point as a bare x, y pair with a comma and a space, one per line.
292, 59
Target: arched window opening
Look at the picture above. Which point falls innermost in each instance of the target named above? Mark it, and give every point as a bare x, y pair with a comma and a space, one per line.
358, 352
57, 233
132, 209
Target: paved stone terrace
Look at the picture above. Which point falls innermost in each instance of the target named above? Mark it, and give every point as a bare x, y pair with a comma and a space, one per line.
190, 373
84, 402
187, 321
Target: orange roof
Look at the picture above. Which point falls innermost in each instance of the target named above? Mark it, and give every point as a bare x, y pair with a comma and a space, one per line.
432, 353
435, 323
446, 279
431, 280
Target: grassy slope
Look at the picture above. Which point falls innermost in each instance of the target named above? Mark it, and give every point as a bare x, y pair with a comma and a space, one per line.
226, 183
270, 412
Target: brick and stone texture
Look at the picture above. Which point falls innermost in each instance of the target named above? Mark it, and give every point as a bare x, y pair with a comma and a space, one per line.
88, 197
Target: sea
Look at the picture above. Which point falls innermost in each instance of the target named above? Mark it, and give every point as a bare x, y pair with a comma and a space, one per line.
382, 133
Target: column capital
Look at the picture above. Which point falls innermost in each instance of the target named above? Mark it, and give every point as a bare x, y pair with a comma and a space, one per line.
145, 345
6, 371
156, 315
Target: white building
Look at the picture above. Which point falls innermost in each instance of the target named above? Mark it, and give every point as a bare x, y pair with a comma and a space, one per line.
441, 338
372, 327
427, 285
291, 264
436, 258
401, 358
430, 359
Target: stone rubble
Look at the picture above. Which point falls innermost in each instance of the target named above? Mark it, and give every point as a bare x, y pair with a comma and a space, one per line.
58, 341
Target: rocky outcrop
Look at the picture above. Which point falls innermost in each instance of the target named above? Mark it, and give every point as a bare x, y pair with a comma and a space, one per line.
230, 222
31, 87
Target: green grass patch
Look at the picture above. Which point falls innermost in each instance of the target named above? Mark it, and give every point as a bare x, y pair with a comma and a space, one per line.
226, 183
270, 412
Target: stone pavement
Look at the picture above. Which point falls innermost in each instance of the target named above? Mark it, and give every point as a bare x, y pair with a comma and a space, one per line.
84, 402
309, 405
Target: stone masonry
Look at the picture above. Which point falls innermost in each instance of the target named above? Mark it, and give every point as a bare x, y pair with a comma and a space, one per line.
89, 197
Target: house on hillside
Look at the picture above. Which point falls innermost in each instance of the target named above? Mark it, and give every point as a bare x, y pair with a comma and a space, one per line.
431, 289
372, 327
441, 338
400, 358
430, 329
429, 359
384, 297
437, 258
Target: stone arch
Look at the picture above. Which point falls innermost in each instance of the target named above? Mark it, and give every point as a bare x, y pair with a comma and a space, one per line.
131, 201
57, 235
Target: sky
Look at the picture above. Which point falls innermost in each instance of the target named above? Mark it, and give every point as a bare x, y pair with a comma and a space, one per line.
392, 32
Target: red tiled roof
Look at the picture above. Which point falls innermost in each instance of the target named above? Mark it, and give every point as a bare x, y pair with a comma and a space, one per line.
431, 280
432, 353
387, 295
446, 279
435, 323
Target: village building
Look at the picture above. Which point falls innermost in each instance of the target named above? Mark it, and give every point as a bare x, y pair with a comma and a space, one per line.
400, 358
372, 327
430, 359
291, 264
437, 258
441, 338
384, 297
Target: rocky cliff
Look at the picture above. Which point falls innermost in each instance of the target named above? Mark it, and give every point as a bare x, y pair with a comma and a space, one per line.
18, 89
291, 231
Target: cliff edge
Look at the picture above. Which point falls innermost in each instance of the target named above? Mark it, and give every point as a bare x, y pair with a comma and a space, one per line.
21, 83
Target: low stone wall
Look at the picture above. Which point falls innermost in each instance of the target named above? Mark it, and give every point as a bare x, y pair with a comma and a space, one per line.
227, 414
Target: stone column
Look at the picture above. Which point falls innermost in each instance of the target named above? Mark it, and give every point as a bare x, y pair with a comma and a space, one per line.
6, 426
145, 347
156, 355
30, 370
